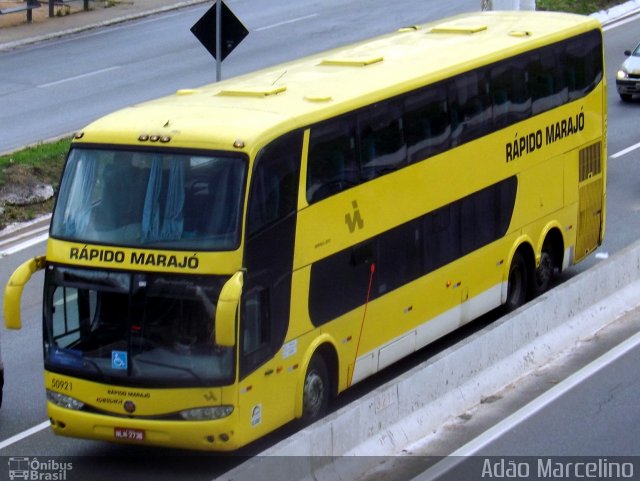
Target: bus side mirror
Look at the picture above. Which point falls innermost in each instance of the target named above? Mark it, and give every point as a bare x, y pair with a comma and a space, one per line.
13, 290
227, 311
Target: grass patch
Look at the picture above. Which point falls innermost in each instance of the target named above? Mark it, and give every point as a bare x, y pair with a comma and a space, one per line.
41, 164
584, 7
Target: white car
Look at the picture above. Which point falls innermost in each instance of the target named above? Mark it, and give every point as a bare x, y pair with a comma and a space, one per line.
628, 77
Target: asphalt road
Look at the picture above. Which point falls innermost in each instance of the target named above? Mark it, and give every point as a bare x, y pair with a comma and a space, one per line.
56, 87
565, 426
104, 70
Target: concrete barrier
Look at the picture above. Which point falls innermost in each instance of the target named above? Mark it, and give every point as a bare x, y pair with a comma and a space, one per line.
418, 402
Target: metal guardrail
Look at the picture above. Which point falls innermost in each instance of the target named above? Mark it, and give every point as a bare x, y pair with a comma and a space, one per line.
29, 5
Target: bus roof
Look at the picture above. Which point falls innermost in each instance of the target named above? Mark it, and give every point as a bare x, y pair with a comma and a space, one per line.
258, 106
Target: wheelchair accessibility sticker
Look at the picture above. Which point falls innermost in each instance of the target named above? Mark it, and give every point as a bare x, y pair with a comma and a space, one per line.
119, 360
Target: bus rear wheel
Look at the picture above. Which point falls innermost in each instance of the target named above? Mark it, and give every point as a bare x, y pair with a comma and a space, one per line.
517, 286
315, 393
545, 271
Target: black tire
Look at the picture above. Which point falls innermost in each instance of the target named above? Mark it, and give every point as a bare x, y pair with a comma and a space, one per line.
545, 271
626, 97
518, 283
315, 392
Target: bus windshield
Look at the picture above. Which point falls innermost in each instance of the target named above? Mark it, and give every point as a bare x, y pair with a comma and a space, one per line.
140, 329
151, 199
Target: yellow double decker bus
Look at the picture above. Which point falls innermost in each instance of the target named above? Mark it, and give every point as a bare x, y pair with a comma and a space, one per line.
227, 259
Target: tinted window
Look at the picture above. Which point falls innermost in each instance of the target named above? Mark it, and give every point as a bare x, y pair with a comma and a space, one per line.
510, 92
332, 165
340, 282
274, 184
382, 145
471, 105
426, 123
546, 79
584, 64
442, 236
399, 257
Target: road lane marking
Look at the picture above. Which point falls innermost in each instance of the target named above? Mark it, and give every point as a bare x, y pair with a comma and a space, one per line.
22, 236
473, 447
625, 151
24, 245
286, 22
77, 77
24, 434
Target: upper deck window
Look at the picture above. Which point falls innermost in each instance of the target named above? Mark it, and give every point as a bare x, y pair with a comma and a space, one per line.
151, 199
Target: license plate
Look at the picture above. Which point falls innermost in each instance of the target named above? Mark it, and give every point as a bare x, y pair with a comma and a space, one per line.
129, 434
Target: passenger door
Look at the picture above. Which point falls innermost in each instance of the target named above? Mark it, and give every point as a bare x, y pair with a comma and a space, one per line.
268, 260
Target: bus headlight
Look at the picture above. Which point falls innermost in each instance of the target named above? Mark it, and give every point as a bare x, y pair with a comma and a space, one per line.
622, 74
208, 413
64, 401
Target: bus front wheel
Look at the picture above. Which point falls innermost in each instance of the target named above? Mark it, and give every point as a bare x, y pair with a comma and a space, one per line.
315, 394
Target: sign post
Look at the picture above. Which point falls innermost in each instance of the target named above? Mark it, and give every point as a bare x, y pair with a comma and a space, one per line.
218, 40
219, 31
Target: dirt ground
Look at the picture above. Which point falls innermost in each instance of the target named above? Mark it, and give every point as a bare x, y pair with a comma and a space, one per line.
42, 14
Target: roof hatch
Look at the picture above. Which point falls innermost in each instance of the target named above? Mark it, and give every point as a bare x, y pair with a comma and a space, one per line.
458, 28
352, 61
253, 91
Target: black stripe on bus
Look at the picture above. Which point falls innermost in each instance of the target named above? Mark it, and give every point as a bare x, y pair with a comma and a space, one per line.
340, 282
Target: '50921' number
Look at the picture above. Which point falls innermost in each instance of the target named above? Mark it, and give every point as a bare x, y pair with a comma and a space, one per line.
61, 385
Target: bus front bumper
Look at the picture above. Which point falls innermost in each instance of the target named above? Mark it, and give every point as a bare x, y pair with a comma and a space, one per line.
216, 435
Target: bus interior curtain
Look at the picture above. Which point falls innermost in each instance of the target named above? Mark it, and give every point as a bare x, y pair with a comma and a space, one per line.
172, 214
151, 210
173, 221
79, 205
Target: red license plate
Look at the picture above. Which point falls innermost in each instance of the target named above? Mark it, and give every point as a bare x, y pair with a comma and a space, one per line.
128, 434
